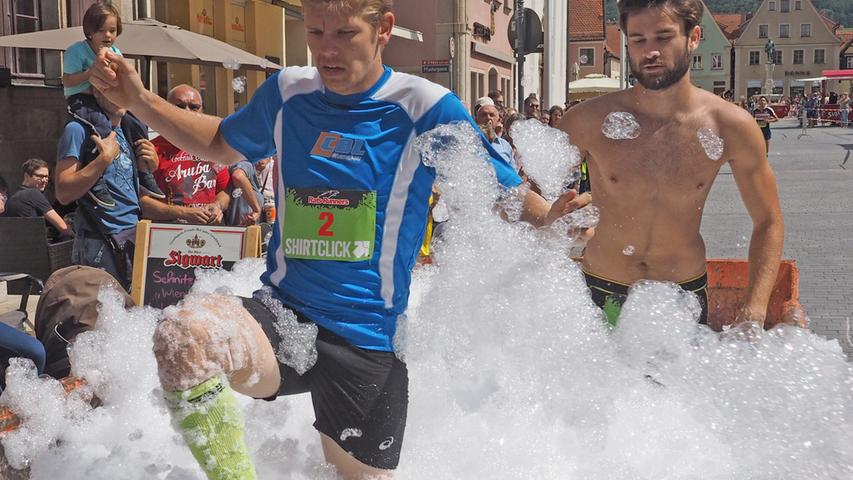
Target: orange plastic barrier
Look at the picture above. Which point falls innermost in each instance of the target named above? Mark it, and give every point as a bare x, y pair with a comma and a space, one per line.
10, 421
727, 280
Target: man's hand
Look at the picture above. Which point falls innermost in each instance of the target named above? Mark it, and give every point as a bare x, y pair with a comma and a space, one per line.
251, 218
215, 211
566, 204
195, 215
116, 78
108, 147
748, 325
146, 152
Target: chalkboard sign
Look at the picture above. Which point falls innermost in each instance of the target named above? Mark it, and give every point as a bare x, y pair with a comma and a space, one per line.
167, 256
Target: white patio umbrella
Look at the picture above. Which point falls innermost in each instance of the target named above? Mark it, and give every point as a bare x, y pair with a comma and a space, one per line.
593, 85
151, 40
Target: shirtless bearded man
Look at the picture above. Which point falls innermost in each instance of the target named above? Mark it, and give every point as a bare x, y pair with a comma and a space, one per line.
651, 179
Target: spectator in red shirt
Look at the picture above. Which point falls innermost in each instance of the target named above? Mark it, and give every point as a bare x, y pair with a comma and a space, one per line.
196, 189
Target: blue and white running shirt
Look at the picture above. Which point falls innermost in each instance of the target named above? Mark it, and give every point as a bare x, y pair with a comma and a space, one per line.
352, 196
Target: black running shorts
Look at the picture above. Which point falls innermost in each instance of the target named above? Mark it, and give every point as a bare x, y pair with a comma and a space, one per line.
360, 396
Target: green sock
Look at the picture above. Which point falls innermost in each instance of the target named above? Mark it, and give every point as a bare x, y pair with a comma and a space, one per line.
209, 419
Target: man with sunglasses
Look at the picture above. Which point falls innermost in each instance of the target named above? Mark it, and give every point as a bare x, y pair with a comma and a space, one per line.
30, 200
196, 189
531, 107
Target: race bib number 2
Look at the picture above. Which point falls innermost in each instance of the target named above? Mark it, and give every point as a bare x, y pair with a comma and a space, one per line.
327, 224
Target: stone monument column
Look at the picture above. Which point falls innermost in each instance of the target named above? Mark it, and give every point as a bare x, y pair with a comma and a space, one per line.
770, 66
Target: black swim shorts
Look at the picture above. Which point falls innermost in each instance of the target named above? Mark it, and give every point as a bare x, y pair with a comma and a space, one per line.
610, 295
360, 396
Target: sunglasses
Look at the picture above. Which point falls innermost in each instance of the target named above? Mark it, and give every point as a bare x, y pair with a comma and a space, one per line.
192, 106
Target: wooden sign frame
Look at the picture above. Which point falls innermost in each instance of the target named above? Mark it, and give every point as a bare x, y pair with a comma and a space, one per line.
250, 247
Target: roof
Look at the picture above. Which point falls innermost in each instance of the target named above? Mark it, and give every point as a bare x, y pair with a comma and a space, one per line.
831, 24
731, 23
846, 35
613, 39
586, 20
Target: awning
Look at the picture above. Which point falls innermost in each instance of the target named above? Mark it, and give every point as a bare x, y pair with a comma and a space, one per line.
407, 33
493, 53
838, 74
594, 83
815, 79
753, 84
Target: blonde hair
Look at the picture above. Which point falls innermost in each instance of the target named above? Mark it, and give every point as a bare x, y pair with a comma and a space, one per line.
371, 10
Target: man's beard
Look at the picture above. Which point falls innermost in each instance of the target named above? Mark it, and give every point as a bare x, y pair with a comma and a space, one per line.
668, 78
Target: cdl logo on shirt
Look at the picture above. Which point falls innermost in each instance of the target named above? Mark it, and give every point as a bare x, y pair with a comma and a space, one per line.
333, 145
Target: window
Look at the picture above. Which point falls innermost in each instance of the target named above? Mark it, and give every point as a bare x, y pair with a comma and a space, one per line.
755, 57
849, 62
819, 56
805, 29
716, 61
586, 57
785, 6
798, 4
777, 57
25, 17
697, 62
771, 6
762, 31
701, 33
799, 56
784, 30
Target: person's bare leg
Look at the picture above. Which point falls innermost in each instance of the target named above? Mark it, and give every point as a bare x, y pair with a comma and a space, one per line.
197, 345
215, 336
348, 467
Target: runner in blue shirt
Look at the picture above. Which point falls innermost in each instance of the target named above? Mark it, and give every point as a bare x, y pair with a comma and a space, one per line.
352, 203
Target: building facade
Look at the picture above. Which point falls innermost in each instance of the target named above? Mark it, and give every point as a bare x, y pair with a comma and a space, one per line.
710, 66
30, 85
588, 53
806, 44
259, 27
732, 25
475, 32
846, 53
490, 56
483, 59
614, 50
31, 98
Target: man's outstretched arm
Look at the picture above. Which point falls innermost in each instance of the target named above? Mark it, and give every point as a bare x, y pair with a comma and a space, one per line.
191, 131
539, 213
757, 186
